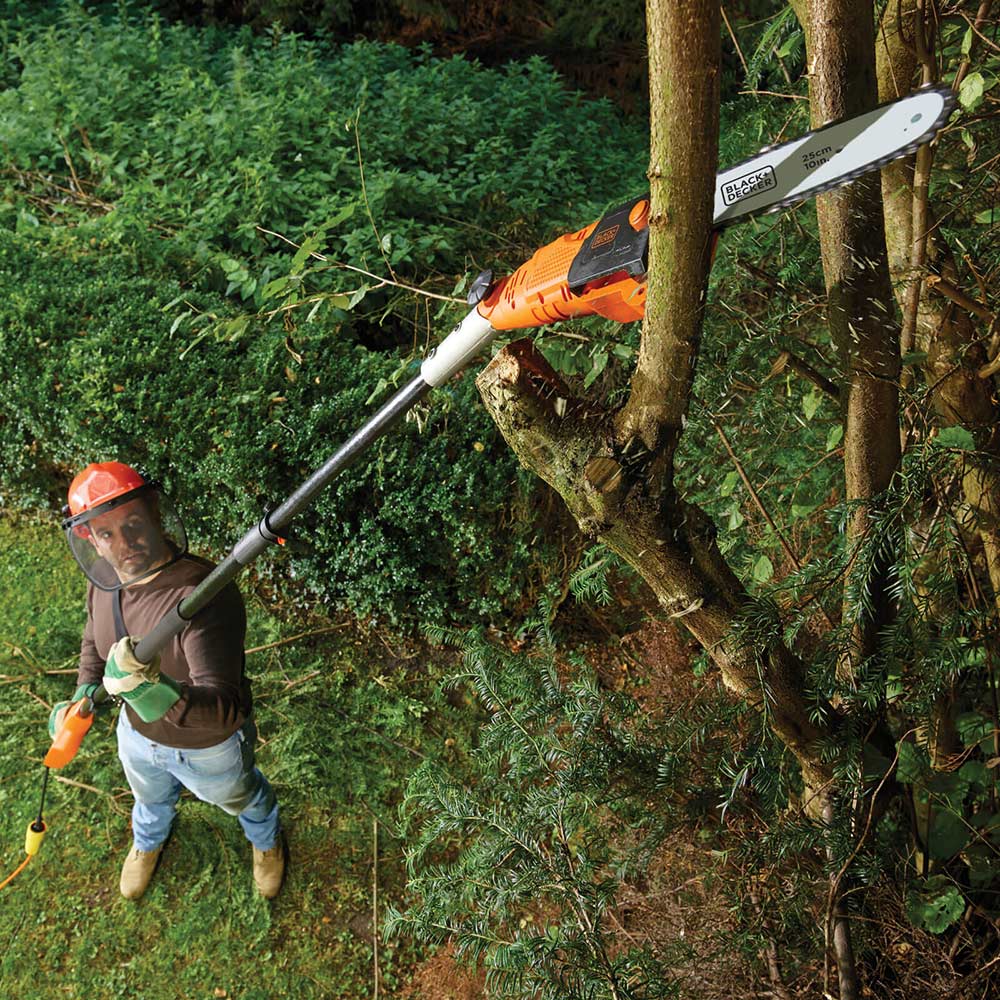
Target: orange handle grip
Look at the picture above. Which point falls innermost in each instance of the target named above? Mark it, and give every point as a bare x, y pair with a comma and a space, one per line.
78, 721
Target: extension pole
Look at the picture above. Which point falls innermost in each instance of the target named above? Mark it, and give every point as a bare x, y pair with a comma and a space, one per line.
460, 346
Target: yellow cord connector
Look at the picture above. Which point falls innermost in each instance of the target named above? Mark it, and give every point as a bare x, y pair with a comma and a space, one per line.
34, 836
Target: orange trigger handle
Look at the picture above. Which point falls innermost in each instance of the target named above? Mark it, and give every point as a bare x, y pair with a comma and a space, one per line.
78, 721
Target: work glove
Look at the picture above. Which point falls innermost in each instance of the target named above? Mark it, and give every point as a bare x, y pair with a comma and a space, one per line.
141, 685
59, 710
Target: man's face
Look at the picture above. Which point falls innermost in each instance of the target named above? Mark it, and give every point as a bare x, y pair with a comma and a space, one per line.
130, 539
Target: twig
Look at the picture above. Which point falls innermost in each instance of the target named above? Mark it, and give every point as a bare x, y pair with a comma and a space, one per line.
770, 952
375, 903
295, 638
923, 37
981, 15
364, 192
361, 270
69, 163
732, 35
788, 360
96, 791
773, 93
949, 291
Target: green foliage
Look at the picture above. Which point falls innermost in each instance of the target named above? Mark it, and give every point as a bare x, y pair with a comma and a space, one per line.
935, 905
153, 320
206, 137
518, 848
93, 373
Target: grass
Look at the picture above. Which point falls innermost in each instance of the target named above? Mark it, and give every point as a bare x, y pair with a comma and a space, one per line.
341, 717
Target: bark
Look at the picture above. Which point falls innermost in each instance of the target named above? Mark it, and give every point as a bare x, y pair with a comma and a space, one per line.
860, 308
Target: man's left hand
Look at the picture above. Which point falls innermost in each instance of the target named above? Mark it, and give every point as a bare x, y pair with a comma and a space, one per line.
124, 673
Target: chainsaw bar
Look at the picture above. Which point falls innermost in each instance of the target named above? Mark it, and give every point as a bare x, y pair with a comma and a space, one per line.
781, 176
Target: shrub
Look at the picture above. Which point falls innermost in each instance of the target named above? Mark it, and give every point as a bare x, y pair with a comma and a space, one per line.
413, 530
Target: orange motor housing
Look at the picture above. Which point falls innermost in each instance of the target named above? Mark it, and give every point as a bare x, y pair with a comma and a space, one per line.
600, 269
78, 721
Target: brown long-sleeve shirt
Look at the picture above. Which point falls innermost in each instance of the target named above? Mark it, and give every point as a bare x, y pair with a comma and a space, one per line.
206, 659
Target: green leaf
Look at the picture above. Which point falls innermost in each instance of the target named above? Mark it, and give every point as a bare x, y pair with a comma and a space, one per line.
735, 519
801, 510
955, 437
834, 437
600, 363
987, 217
967, 41
763, 569
948, 835
810, 403
936, 905
970, 94
310, 246
973, 727
791, 45
729, 483
912, 765
984, 866
342, 216
276, 287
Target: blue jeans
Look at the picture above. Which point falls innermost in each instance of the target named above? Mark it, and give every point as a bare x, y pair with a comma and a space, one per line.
223, 775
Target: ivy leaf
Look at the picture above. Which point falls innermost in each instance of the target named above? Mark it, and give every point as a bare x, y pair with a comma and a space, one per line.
936, 905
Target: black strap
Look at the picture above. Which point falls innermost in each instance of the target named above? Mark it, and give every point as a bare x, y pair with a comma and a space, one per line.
116, 608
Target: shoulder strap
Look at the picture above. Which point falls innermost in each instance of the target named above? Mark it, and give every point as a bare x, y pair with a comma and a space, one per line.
116, 608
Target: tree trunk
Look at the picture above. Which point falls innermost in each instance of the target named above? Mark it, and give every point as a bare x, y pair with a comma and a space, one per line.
860, 305
945, 332
684, 55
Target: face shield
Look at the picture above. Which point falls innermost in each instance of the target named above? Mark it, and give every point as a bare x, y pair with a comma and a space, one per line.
126, 539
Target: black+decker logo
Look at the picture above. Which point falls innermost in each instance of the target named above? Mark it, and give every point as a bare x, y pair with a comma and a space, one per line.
752, 183
604, 236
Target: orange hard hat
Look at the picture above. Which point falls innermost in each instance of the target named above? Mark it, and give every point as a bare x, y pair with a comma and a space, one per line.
101, 482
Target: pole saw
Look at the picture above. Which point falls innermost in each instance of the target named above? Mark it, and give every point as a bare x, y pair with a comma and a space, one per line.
598, 270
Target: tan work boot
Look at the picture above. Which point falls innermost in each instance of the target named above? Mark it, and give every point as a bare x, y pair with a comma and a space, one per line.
138, 870
269, 870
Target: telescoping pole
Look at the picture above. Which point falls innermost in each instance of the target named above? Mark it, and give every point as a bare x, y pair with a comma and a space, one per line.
471, 336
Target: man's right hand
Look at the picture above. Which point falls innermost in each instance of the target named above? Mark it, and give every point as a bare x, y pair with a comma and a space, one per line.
58, 714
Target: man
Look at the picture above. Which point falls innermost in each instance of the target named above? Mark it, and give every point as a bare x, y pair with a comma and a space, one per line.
187, 720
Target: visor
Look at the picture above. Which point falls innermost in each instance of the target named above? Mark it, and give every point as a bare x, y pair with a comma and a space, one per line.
126, 539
